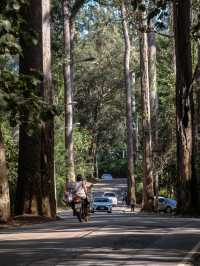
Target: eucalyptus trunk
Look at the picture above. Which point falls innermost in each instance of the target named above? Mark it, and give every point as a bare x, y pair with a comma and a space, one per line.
153, 87
29, 194
172, 24
197, 126
35, 185
153, 103
47, 137
134, 121
68, 87
148, 190
185, 186
4, 185
94, 143
129, 109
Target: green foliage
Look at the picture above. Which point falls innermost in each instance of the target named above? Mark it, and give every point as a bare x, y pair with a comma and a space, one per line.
10, 136
19, 98
83, 142
111, 164
166, 155
99, 94
10, 23
11, 145
83, 163
99, 86
18, 92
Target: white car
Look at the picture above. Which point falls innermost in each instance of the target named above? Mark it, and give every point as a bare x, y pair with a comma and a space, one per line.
112, 196
101, 204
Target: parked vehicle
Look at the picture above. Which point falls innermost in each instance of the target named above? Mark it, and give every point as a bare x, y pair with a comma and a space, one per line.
166, 204
107, 177
112, 196
101, 204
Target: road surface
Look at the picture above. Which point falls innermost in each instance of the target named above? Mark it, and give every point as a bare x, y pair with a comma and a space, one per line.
118, 239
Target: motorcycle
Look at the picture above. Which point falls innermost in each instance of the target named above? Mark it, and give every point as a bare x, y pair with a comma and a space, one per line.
77, 207
80, 208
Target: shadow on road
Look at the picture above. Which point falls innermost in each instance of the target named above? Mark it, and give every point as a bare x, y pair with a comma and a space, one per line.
119, 241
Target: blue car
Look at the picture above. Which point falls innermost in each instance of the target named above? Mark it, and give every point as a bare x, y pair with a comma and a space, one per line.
166, 204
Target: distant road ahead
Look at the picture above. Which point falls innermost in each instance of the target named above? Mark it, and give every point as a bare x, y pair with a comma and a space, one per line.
119, 186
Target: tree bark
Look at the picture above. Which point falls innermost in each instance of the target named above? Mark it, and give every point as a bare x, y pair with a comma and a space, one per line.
28, 194
172, 27
148, 191
35, 185
134, 119
197, 127
184, 106
4, 186
94, 143
68, 87
153, 102
47, 141
153, 86
129, 109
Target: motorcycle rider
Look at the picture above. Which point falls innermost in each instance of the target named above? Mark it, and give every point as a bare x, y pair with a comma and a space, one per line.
82, 188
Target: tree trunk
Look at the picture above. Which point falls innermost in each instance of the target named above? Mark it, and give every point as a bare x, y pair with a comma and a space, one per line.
129, 116
134, 119
184, 106
96, 166
28, 194
68, 87
197, 127
153, 87
94, 143
148, 191
4, 186
47, 141
173, 30
153, 102
94, 156
35, 184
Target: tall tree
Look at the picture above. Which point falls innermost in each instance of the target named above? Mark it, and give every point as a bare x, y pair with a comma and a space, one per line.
129, 109
172, 21
68, 83
148, 191
69, 13
184, 105
35, 184
153, 84
47, 137
153, 98
4, 186
197, 123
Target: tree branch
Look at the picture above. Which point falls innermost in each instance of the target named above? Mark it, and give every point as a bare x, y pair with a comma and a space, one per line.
164, 34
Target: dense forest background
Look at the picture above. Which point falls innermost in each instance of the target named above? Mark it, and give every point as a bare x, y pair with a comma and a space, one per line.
98, 62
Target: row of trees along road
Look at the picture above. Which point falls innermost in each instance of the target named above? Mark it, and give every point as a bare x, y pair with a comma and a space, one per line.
134, 119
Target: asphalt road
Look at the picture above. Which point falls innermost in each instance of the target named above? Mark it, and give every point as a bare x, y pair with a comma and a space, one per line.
119, 186
117, 239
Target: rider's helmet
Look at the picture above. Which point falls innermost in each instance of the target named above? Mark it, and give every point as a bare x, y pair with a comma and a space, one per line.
79, 178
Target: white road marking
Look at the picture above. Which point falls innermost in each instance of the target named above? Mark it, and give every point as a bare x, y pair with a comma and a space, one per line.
188, 258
